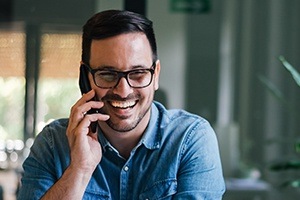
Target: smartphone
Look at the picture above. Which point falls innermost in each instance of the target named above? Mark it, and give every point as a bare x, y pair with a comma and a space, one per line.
85, 87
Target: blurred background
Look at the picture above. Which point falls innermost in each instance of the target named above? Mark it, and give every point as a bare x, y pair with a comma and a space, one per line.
220, 60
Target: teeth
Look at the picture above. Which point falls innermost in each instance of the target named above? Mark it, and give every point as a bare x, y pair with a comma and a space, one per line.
122, 104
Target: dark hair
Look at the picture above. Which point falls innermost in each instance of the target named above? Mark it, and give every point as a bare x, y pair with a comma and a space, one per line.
115, 22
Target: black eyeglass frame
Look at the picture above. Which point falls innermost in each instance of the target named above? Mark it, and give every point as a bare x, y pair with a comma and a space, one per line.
121, 74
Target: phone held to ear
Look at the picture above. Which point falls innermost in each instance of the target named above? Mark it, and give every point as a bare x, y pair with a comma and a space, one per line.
85, 87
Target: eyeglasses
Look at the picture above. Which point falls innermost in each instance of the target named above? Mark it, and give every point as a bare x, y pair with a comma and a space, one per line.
137, 78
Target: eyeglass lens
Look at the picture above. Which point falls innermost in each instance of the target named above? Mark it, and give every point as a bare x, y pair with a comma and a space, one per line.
135, 78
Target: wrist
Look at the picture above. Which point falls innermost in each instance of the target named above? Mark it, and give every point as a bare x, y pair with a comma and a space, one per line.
82, 174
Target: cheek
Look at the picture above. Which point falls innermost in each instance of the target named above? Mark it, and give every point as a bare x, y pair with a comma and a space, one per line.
99, 92
149, 95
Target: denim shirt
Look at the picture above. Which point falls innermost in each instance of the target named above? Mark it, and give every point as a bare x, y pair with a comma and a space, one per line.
177, 158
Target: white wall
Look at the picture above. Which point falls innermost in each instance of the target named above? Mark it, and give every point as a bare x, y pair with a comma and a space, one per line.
170, 34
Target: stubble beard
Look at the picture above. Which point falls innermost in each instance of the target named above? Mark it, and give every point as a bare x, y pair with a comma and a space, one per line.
128, 127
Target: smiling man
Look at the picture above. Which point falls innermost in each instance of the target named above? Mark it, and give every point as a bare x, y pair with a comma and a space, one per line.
139, 149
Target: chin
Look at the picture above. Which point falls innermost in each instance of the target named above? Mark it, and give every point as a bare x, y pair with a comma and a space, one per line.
121, 127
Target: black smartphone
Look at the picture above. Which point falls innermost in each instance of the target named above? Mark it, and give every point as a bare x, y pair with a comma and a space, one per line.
85, 87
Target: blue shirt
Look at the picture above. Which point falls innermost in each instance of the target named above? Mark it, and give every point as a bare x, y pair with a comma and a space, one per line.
177, 158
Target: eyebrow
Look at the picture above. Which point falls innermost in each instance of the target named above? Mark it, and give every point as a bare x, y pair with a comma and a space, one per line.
112, 68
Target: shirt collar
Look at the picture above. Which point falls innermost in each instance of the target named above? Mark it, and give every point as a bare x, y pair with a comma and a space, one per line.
103, 141
152, 136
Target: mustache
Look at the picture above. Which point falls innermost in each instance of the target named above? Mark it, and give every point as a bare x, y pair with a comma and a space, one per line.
115, 97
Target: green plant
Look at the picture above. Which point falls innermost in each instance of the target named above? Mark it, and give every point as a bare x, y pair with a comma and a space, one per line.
289, 164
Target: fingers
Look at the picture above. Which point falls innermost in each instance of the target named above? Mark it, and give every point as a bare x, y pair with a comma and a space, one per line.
85, 123
84, 104
85, 149
79, 119
86, 97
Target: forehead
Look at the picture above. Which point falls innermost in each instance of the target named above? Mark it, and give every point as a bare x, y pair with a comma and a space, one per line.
121, 50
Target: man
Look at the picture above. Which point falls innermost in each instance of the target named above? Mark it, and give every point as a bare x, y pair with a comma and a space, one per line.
140, 150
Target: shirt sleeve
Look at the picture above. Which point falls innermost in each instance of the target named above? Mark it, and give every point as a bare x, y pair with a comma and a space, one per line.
39, 168
200, 173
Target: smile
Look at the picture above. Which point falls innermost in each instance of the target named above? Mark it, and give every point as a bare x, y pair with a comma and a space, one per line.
123, 104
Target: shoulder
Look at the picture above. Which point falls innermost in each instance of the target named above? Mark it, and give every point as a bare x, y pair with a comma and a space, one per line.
184, 128
56, 125
54, 131
59, 124
180, 118
51, 145
190, 134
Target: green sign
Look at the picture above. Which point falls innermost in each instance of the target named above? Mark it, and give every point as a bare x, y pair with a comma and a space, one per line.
190, 6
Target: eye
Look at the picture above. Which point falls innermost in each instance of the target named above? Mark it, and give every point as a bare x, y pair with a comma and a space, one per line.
108, 76
138, 74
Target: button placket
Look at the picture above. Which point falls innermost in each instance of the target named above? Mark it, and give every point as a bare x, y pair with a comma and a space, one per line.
124, 181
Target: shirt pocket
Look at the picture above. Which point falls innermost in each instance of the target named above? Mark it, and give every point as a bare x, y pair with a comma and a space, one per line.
159, 190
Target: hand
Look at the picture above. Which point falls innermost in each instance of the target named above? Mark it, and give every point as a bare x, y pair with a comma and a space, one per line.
86, 151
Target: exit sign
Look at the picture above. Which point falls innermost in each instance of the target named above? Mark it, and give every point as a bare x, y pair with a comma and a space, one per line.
190, 6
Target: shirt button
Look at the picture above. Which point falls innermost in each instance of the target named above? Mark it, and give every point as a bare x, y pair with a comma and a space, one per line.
126, 168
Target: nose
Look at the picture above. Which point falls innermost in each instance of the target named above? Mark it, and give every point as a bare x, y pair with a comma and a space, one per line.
123, 89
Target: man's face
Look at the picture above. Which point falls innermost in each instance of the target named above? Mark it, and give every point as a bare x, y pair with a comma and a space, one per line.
128, 108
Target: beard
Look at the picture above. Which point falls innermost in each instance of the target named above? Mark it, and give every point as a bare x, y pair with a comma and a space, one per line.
126, 127
129, 126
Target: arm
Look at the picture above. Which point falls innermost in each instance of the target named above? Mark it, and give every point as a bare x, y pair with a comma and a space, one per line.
85, 151
85, 154
200, 174
71, 185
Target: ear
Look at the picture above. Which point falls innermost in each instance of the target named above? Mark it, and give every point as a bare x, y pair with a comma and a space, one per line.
156, 75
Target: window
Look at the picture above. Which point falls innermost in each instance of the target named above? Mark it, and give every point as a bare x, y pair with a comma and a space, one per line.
12, 82
58, 82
